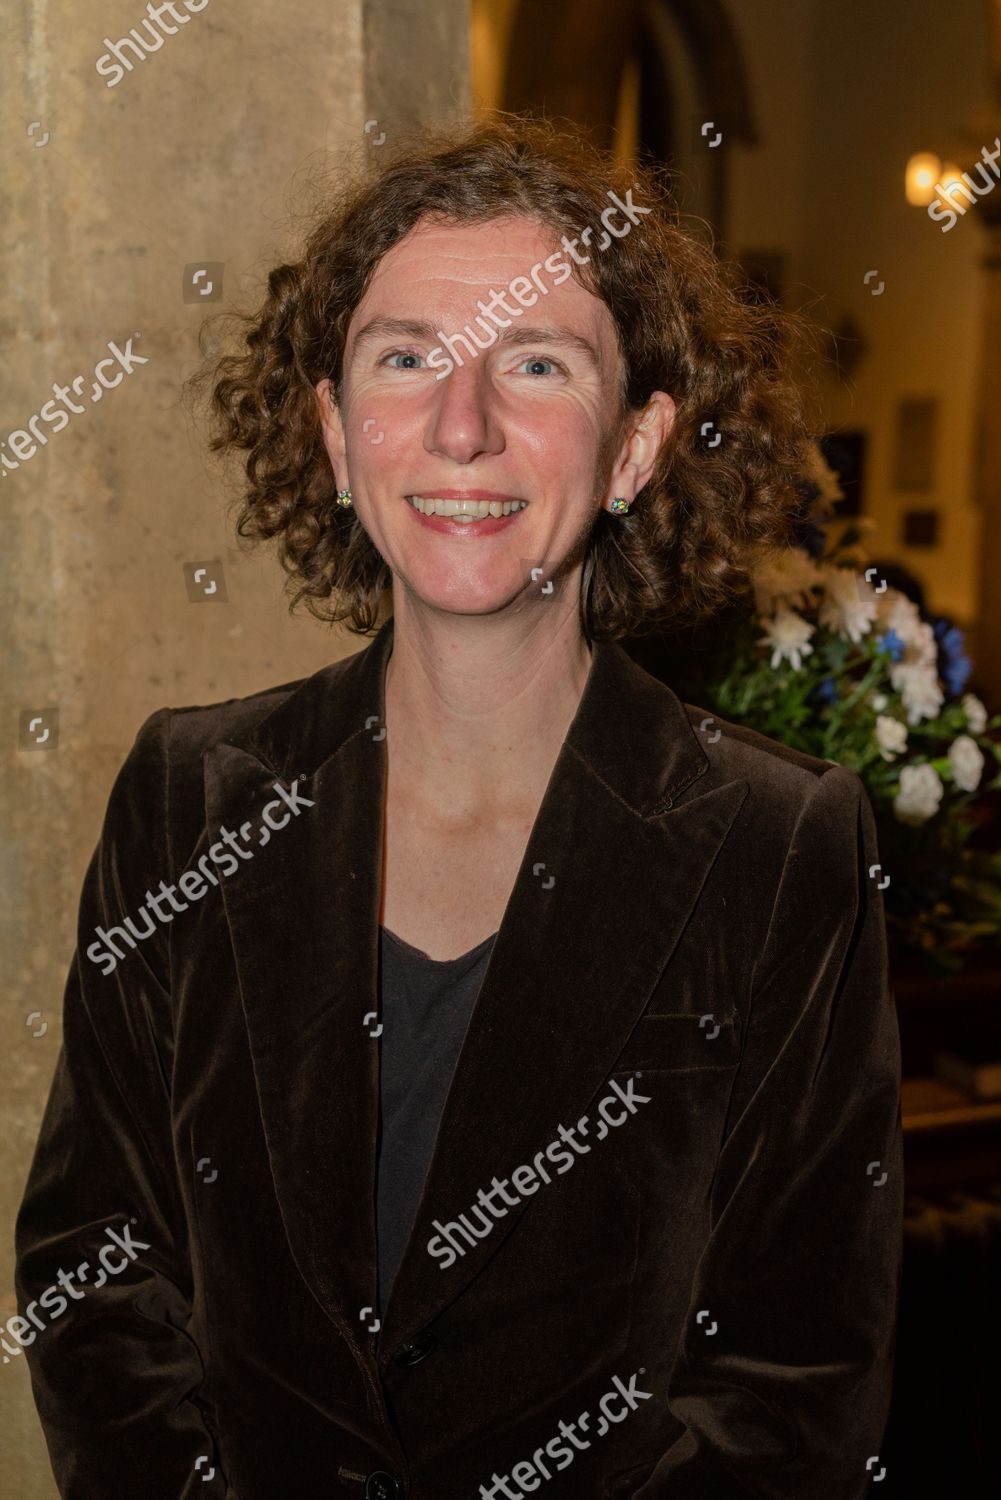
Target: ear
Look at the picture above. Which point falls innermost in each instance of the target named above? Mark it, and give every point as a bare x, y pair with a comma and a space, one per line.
645, 436
333, 432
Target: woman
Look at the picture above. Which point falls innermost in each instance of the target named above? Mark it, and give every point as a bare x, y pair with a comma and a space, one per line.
642, 1237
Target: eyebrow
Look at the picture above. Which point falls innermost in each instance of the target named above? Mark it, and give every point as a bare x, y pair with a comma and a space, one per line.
517, 336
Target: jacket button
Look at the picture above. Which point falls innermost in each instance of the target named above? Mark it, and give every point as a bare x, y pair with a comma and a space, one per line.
383, 1486
415, 1350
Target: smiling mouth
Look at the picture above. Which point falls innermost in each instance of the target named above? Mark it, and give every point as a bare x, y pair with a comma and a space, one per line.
464, 511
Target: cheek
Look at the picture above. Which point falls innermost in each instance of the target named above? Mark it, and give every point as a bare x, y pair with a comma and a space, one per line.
564, 440
384, 436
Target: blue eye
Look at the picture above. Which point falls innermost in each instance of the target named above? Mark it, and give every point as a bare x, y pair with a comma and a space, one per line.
538, 360
403, 354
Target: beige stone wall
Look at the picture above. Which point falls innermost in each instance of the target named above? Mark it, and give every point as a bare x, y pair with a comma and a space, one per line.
193, 158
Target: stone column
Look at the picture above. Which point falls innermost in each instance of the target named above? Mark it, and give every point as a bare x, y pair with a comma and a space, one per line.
130, 168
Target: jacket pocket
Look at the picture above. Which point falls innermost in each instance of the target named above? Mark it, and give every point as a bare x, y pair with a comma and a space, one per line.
682, 1042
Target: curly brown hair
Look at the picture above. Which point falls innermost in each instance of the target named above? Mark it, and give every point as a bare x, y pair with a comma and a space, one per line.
685, 325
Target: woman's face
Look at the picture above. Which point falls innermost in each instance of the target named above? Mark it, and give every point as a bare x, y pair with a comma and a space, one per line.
532, 417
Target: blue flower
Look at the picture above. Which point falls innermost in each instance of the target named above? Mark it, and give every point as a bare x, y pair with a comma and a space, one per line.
892, 644
826, 690
954, 664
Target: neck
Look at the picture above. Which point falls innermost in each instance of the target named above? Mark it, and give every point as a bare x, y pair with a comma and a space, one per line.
478, 706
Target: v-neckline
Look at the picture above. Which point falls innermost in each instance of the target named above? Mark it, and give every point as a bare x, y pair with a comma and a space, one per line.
441, 963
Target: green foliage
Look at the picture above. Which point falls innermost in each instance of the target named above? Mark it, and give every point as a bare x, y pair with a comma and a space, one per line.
845, 669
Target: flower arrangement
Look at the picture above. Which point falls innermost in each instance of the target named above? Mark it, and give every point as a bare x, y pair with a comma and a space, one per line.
833, 661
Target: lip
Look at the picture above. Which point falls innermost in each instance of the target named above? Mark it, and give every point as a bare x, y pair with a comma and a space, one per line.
469, 531
463, 495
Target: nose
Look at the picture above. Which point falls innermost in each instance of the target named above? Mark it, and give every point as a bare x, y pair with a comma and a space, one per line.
464, 423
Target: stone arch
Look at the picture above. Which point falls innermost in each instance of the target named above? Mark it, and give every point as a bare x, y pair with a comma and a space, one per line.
567, 61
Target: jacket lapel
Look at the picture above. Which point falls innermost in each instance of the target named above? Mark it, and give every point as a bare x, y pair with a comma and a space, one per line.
303, 920
612, 853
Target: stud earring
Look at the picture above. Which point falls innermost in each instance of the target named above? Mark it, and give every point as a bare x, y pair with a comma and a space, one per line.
344, 498
619, 507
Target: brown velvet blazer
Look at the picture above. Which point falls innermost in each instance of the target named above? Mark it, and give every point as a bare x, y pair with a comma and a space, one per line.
702, 1307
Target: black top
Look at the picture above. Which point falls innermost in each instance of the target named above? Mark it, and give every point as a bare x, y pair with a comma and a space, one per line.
426, 1004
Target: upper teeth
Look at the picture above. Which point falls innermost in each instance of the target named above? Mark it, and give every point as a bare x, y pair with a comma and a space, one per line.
474, 510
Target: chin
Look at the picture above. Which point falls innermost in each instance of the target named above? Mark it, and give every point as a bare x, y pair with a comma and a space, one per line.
469, 596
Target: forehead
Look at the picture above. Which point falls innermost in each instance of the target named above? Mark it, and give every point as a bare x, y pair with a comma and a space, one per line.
440, 270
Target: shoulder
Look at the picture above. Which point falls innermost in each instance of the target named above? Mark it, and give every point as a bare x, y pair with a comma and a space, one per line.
800, 809
181, 736
195, 728
158, 791
776, 773
745, 751
805, 859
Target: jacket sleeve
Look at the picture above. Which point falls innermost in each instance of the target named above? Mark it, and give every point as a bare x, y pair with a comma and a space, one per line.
783, 1384
103, 1276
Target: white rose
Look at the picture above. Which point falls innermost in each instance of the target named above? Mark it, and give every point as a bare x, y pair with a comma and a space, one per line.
967, 762
891, 736
789, 636
976, 713
849, 603
920, 689
901, 615
919, 795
